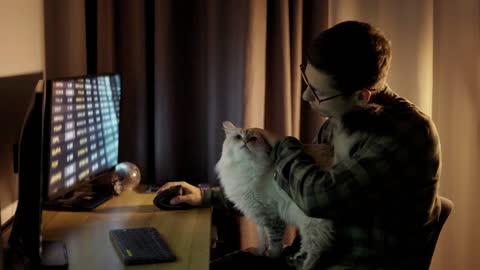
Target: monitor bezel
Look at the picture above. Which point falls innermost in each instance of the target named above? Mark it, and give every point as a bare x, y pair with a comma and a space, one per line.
47, 139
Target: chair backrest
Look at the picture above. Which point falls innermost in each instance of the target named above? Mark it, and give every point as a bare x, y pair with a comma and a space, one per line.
446, 209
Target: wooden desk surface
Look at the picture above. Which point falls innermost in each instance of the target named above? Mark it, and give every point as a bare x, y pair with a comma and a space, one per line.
86, 234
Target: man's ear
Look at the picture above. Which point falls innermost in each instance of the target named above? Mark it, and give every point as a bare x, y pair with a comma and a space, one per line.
362, 97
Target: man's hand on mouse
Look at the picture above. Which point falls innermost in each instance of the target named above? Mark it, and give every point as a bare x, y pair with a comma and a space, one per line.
191, 194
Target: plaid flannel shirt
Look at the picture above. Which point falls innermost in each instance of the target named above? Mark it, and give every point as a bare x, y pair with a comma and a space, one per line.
382, 199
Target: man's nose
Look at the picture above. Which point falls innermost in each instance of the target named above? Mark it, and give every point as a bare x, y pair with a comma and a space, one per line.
307, 94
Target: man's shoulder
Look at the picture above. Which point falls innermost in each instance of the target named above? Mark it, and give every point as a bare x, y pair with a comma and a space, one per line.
410, 126
395, 104
416, 122
403, 113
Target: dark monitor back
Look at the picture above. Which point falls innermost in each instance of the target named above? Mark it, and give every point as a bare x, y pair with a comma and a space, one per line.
15, 94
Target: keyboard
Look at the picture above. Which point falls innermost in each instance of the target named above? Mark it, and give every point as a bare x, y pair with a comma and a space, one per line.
141, 246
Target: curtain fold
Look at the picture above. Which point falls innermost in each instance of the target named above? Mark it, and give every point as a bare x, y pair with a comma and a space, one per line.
131, 57
255, 65
315, 20
65, 46
199, 74
106, 38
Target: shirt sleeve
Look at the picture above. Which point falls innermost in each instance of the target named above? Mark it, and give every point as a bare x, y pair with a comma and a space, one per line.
345, 189
324, 134
215, 197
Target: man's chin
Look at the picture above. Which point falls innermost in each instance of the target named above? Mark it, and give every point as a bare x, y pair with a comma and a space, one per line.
318, 110
322, 113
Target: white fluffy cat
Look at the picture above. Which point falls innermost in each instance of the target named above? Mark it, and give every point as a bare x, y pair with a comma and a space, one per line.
247, 176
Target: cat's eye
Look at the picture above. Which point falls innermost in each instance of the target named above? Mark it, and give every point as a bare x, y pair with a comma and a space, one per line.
253, 139
238, 137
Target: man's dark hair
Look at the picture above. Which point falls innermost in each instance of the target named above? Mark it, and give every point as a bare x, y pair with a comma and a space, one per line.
355, 54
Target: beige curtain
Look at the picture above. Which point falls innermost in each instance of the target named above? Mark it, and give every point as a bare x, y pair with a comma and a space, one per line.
436, 64
456, 97
272, 88
278, 33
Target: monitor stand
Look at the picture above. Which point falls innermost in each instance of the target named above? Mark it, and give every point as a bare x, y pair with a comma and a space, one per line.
85, 199
77, 201
54, 255
26, 248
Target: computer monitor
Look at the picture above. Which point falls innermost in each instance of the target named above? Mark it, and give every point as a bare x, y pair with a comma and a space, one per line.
25, 241
82, 130
15, 93
78, 116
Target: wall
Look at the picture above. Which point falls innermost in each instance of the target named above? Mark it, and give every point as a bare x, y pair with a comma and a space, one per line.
22, 51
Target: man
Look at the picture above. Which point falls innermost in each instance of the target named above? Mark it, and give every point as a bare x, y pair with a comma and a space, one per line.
381, 192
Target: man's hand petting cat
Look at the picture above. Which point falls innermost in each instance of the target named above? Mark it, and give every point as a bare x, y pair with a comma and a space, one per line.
191, 194
270, 137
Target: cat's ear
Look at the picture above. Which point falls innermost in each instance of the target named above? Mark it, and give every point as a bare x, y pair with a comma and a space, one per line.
229, 127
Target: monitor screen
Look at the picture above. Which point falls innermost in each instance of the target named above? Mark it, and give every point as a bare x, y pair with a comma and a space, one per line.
83, 129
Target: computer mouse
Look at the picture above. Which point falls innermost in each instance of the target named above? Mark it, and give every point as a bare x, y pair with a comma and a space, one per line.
162, 199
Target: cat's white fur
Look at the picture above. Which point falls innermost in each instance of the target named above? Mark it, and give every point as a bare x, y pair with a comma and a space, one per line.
343, 142
247, 176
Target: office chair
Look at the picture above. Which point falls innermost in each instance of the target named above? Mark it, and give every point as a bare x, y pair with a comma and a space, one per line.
445, 210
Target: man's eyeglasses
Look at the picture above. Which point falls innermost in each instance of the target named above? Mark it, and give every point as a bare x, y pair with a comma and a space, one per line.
302, 69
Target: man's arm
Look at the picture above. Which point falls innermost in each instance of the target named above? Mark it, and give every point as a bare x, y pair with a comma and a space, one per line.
347, 187
215, 197
209, 197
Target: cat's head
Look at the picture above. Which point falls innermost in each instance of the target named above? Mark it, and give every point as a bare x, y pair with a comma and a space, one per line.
241, 144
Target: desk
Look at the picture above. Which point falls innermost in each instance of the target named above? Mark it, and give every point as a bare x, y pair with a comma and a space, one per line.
86, 236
